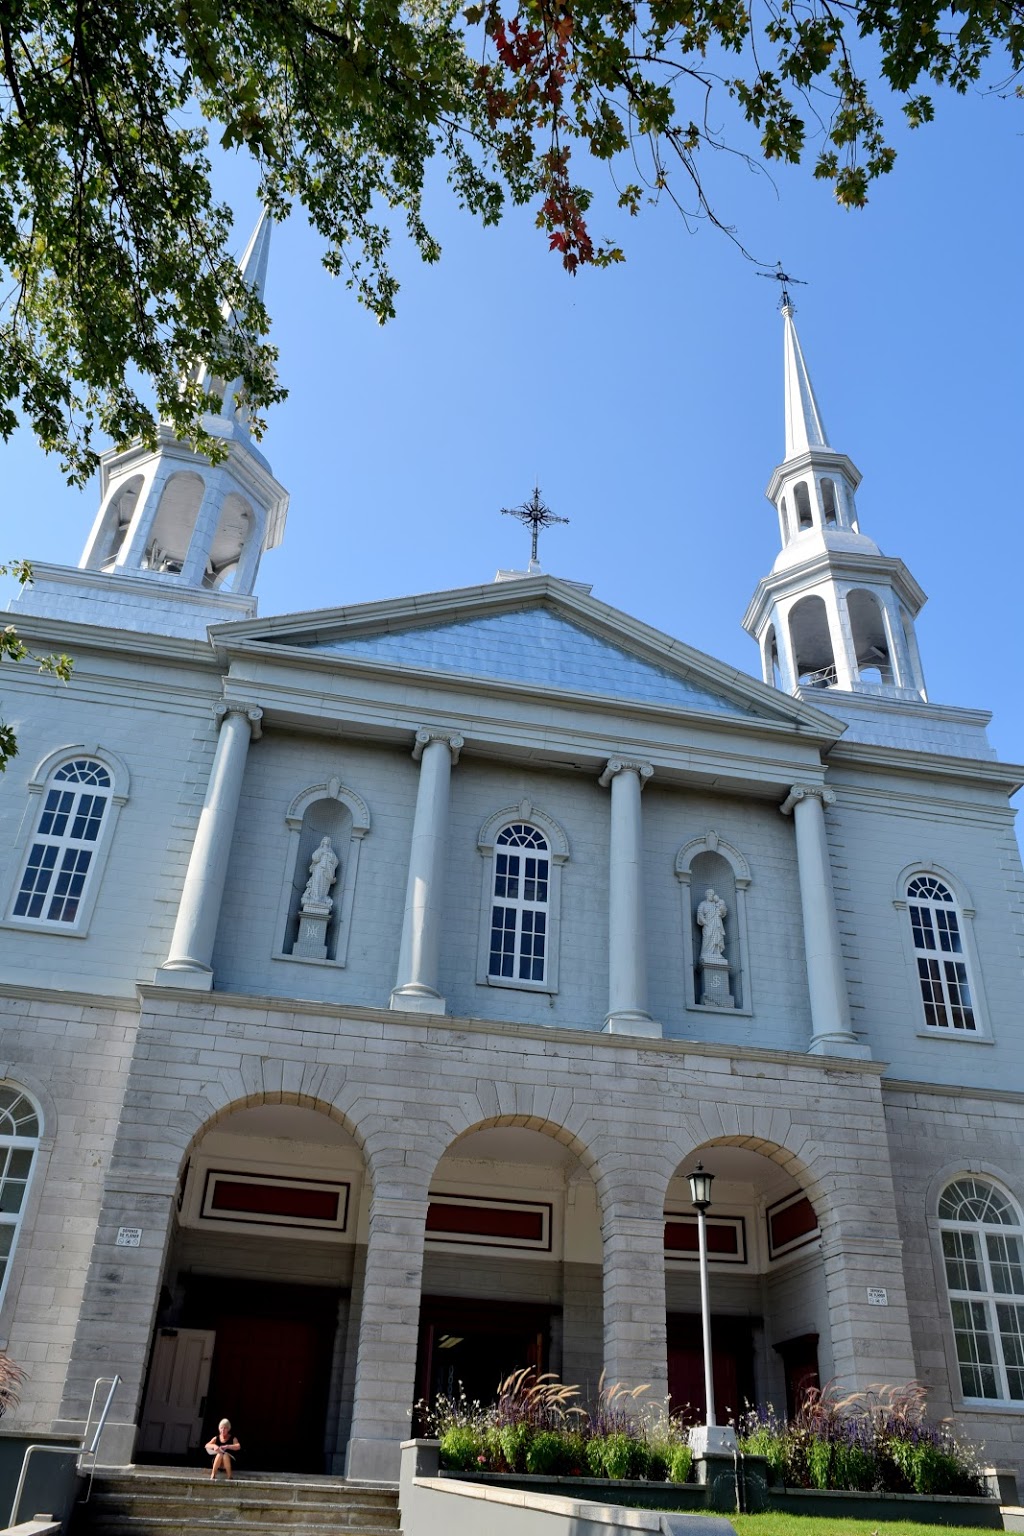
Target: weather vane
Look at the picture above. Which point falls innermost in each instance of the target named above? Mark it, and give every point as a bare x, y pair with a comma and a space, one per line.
535, 515
783, 279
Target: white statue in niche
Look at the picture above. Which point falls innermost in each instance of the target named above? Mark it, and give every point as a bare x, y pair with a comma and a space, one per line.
323, 871
711, 915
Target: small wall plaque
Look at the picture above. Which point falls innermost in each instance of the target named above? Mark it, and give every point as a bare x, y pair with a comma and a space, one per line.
129, 1237
878, 1296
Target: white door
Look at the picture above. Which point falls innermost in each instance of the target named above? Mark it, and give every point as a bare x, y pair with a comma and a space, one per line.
172, 1420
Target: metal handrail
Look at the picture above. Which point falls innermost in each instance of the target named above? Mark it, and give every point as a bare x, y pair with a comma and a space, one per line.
70, 1450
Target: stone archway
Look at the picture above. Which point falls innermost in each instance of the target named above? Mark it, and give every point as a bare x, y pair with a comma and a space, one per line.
771, 1333
254, 1319
512, 1271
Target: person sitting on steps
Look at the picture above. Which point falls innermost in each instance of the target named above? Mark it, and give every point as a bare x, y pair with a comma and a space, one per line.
222, 1448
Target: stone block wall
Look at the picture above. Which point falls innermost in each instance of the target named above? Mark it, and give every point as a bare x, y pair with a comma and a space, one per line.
72, 1056
936, 1135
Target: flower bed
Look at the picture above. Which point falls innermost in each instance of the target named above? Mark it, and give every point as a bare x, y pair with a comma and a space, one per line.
538, 1426
879, 1441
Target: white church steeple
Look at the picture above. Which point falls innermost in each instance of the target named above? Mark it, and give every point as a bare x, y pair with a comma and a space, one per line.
834, 612
168, 515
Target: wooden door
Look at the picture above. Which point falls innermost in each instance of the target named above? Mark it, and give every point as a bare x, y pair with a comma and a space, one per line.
270, 1379
179, 1379
470, 1346
732, 1367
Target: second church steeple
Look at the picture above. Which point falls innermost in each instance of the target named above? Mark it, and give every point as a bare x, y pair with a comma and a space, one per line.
834, 612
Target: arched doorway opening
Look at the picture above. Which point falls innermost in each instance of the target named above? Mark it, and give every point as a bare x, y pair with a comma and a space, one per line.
770, 1337
512, 1272
253, 1322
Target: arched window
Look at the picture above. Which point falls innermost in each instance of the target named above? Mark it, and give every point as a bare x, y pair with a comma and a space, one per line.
175, 522
828, 501
519, 912
811, 643
19, 1138
523, 850
802, 498
62, 849
984, 1258
939, 953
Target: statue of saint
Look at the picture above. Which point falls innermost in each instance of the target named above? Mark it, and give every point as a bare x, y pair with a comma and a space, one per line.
323, 871
711, 915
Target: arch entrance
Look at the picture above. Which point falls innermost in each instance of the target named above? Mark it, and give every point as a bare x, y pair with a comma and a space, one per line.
512, 1266
253, 1322
770, 1335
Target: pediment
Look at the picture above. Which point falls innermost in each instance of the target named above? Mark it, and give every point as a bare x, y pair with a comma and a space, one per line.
543, 637
537, 648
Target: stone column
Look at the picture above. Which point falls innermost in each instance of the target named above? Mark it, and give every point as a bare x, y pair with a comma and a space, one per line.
635, 1330
831, 1031
416, 988
627, 950
189, 962
388, 1335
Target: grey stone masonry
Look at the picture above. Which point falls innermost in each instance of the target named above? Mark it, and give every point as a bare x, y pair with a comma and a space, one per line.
405, 1087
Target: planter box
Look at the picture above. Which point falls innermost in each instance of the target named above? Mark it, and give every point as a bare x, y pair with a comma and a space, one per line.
925, 1508
633, 1492
719, 1494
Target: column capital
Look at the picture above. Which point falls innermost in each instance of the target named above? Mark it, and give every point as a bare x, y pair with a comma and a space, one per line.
617, 765
251, 712
425, 735
804, 792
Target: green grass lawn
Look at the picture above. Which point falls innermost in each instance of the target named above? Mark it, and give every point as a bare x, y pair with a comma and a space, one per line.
827, 1525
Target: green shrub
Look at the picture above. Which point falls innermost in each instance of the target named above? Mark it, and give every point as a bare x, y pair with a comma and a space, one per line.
819, 1463
657, 1467
514, 1441
547, 1453
771, 1446
618, 1455
460, 1448
680, 1461
852, 1467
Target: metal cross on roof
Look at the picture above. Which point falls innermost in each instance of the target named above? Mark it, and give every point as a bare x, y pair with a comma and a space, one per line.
536, 516
784, 279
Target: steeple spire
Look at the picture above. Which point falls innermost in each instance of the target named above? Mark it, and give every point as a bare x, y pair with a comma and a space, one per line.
805, 426
835, 613
256, 257
253, 267
179, 523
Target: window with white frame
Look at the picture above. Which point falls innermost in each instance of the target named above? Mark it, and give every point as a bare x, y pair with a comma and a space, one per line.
940, 955
983, 1251
519, 911
62, 848
19, 1139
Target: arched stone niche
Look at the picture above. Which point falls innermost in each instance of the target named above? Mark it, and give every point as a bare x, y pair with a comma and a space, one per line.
711, 861
323, 810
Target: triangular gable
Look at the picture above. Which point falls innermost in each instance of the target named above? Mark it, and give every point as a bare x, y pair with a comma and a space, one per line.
533, 646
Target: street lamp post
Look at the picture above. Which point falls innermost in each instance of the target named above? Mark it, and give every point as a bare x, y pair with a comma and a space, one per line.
707, 1436
700, 1195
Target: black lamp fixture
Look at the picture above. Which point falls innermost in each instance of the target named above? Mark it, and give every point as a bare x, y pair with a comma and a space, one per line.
700, 1187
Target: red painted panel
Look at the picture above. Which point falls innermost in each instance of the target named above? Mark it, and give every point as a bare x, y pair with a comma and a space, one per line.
485, 1221
681, 1237
796, 1220
276, 1200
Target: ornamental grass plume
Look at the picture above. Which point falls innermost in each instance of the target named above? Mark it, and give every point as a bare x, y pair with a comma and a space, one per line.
11, 1377
539, 1425
877, 1440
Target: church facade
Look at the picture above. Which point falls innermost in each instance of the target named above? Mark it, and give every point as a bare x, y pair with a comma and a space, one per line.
372, 978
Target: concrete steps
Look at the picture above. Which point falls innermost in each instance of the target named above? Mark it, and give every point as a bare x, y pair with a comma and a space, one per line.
150, 1502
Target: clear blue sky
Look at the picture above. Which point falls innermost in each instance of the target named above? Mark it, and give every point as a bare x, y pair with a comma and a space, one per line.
647, 401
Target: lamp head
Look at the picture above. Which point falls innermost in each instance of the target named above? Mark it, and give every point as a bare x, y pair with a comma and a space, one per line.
700, 1187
